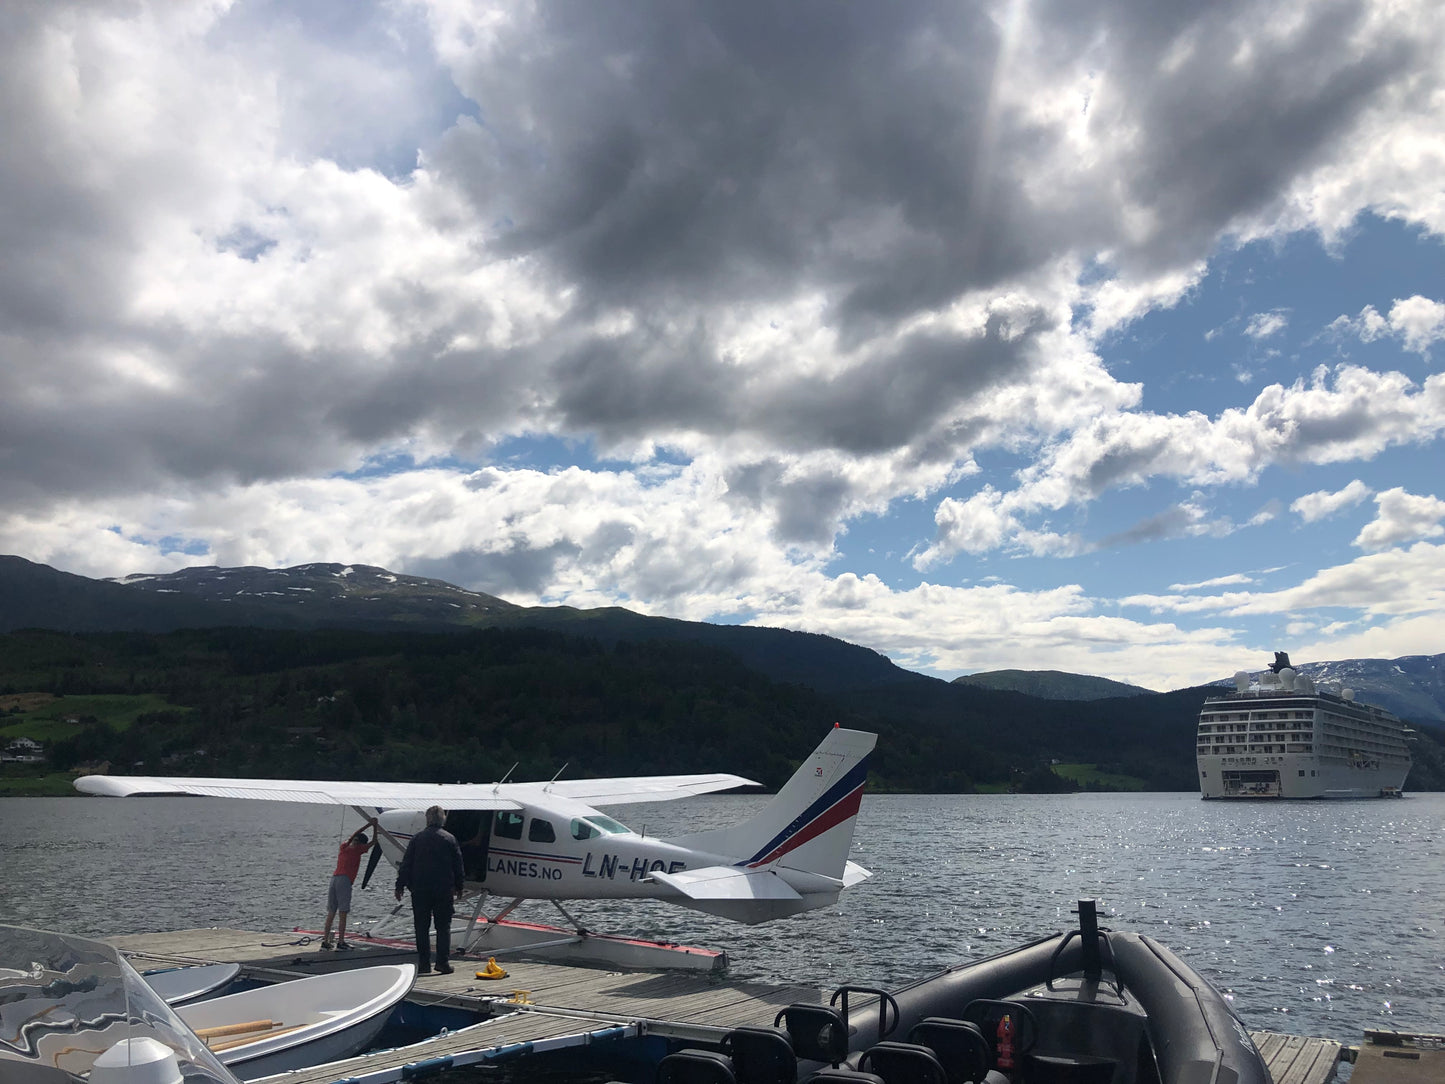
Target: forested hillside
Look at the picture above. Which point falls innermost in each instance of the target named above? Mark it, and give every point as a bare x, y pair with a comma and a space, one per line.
469, 706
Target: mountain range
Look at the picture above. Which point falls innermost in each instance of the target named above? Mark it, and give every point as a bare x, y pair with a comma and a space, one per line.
365, 597
1053, 684
335, 596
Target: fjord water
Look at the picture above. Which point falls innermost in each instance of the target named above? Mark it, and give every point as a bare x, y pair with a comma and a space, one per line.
1315, 918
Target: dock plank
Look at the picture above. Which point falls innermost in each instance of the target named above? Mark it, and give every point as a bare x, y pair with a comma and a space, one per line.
1295, 1059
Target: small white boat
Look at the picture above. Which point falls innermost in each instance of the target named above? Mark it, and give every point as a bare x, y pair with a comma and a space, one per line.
297, 1024
178, 985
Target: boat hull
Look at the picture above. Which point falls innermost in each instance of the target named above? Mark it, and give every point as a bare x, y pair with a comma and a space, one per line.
318, 1019
332, 1047
1146, 994
182, 985
1297, 776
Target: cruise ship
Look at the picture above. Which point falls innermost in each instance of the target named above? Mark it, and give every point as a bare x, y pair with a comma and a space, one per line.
1278, 736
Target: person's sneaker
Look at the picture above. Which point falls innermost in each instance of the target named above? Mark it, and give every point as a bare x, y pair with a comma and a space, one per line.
423, 971
326, 945
444, 969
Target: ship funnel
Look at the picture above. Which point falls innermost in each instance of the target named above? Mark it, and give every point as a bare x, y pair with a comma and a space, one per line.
1241, 680
1286, 678
1347, 694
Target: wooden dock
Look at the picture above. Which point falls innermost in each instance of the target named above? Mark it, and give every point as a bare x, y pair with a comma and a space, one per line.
551, 1006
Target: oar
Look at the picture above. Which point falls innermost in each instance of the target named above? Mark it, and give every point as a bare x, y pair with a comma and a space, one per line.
235, 1029
231, 1044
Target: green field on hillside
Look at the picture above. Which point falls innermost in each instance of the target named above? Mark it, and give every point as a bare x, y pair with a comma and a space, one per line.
64, 716
1089, 775
34, 781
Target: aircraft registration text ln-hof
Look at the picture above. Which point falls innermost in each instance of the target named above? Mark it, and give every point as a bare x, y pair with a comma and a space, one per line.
547, 841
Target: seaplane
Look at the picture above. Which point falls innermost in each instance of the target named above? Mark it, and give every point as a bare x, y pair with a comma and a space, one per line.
548, 841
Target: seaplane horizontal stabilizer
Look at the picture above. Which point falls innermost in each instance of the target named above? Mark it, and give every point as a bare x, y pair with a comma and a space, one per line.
726, 883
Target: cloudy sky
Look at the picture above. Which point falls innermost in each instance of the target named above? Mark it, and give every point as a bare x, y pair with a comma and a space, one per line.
1105, 338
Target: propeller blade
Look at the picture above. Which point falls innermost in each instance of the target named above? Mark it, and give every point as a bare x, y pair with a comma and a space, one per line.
371, 862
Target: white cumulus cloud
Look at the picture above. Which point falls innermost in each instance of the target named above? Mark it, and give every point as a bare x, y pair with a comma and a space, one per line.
1323, 503
1401, 517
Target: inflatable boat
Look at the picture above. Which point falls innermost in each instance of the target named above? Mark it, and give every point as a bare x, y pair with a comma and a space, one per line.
1088, 1006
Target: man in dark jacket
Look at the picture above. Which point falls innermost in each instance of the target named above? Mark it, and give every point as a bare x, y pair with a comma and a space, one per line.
432, 869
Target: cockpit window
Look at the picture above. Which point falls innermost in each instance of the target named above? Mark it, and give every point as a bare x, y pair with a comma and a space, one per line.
508, 824
598, 825
540, 831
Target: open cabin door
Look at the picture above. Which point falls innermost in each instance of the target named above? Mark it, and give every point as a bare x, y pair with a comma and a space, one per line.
473, 829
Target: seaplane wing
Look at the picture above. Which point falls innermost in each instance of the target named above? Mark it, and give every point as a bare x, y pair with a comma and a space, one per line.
316, 791
620, 791
642, 788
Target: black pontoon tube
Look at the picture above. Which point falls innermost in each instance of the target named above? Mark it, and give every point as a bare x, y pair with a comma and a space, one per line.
948, 993
1196, 1038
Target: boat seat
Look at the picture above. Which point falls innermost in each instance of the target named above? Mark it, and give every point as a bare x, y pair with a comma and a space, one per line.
816, 1032
761, 1056
834, 1074
695, 1067
1068, 1069
959, 1045
903, 1063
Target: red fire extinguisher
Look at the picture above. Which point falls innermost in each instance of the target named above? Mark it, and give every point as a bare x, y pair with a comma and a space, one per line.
1006, 1042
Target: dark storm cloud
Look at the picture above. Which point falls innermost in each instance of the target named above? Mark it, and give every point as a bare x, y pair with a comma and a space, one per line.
806, 508
1243, 112
624, 387
686, 161
523, 569
717, 151
1175, 522
1124, 463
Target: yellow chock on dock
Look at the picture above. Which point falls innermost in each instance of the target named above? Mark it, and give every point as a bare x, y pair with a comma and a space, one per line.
492, 971
520, 997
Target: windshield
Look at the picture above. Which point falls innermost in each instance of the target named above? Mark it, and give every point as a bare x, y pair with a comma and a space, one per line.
65, 1000
597, 825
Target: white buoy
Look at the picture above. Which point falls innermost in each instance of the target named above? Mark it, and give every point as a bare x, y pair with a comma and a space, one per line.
141, 1060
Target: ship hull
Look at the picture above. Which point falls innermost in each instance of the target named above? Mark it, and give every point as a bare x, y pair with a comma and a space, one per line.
1296, 777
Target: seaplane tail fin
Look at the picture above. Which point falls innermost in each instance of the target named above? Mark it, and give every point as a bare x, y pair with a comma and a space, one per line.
808, 827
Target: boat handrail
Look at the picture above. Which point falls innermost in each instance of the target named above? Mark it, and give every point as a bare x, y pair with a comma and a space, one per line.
885, 1000
1090, 935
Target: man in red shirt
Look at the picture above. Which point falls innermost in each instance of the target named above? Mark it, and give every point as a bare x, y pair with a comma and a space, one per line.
338, 893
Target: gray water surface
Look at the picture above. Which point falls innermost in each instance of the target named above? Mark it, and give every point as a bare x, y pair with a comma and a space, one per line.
1315, 918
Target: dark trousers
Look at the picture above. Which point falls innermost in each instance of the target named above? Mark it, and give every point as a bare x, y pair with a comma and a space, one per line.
427, 910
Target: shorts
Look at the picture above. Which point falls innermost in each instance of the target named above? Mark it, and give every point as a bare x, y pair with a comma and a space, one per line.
338, 893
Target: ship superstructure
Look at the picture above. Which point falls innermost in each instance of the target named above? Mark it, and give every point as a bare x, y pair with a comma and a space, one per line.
1278, 736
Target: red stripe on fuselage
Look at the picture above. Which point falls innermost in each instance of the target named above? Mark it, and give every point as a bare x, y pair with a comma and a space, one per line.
836, 815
